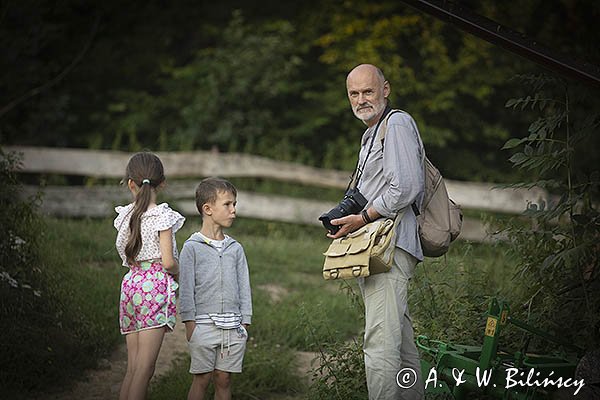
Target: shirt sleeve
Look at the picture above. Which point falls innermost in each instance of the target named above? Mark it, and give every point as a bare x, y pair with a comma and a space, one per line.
122, 212
169, 219
244, 287
402, 167
187, 283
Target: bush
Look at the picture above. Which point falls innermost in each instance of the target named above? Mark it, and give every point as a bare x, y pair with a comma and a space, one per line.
23, 285
56, 311
558, 247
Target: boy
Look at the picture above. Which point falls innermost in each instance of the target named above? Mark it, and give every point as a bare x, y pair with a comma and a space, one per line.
215, 299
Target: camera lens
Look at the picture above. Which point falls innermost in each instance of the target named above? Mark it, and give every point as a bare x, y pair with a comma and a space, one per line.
352, 203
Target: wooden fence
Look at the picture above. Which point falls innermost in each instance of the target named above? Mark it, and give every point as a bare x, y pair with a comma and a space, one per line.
99, 201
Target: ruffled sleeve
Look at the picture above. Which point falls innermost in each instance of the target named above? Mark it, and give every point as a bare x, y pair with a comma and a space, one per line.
122, 212
168, 218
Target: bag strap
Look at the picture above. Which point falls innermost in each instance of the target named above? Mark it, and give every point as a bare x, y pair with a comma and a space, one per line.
423, 161
358, 172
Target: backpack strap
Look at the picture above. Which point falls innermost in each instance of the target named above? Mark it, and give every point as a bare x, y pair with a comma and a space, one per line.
382, 132
381, 136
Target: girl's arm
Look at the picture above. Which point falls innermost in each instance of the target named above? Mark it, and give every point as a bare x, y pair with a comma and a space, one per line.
166, 251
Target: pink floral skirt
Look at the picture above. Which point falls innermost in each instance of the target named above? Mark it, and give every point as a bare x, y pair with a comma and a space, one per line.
147, 298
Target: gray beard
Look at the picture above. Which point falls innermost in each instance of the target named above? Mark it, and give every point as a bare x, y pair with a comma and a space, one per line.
377, 109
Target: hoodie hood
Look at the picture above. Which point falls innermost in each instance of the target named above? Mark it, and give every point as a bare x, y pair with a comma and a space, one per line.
198, 237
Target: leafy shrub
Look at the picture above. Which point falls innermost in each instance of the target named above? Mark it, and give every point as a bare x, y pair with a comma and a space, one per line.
56, 311
558, 248
23, 284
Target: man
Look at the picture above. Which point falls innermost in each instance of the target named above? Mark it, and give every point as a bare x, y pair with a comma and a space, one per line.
391, 181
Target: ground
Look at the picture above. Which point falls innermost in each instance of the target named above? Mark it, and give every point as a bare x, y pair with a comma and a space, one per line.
104, 383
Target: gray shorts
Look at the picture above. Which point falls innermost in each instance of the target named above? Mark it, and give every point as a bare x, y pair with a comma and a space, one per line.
215, 348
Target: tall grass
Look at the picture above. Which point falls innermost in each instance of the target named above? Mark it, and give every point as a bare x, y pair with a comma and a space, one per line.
294, 308
284, 259
448, 299
72, 322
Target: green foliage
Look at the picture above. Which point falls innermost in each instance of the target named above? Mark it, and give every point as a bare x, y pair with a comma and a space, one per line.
23, 290
436, 73
304, 313
57, 305
338, 371
228, 97
557, 250
268, 369
450, 296
18, 225
448, 299
184, 75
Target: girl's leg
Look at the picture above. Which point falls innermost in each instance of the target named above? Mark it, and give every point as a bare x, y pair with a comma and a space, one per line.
222, 381
148, 347
131, 340
199, 385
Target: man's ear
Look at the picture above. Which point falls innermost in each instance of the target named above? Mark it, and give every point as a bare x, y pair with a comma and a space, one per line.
387, 89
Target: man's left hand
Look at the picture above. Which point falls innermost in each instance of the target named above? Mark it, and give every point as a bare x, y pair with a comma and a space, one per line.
348, 224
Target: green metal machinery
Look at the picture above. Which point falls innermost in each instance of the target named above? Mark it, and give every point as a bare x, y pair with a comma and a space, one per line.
469, 372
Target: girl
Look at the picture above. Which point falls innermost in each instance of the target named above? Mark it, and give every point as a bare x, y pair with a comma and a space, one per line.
146, 244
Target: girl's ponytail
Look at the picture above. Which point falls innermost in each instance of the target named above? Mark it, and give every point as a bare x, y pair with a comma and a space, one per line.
146, 171
134, 244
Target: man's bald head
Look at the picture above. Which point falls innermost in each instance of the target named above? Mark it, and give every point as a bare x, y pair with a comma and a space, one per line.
368, 69
367, 91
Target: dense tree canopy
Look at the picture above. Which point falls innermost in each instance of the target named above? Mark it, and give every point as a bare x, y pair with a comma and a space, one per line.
268, 78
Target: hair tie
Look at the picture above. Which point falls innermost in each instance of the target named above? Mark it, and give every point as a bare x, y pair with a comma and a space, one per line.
146, 181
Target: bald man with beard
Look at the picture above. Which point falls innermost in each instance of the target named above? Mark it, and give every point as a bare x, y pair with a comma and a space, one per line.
392, 181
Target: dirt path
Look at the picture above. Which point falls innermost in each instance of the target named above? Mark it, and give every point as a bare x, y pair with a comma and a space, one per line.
104, 383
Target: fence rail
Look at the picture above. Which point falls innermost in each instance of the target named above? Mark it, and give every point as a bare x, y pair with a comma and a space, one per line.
111, 164
99, 201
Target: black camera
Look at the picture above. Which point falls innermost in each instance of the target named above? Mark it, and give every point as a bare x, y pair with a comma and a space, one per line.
352, 203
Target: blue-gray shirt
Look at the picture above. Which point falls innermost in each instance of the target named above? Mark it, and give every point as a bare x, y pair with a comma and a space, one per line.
392, 179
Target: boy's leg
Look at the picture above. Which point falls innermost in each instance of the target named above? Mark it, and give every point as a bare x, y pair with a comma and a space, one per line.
233, 343
131, 340
222, 381
148, 347
199, 385
203, 346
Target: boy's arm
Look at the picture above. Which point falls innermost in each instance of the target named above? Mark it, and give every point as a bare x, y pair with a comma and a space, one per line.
244, 285
189, 329
187, 283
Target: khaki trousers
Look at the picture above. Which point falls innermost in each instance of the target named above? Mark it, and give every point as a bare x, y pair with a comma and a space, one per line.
389, 345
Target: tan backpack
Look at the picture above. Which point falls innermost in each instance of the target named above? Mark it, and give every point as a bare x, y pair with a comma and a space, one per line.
439, 218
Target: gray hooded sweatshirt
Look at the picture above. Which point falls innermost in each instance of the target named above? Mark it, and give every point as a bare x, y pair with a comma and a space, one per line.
212, 280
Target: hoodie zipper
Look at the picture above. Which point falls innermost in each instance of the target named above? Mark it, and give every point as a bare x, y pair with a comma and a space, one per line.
220, 253
221, 271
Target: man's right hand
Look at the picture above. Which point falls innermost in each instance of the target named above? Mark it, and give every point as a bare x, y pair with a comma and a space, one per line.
348, 224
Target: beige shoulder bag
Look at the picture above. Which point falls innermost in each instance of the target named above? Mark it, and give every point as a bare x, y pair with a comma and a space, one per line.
364, 252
